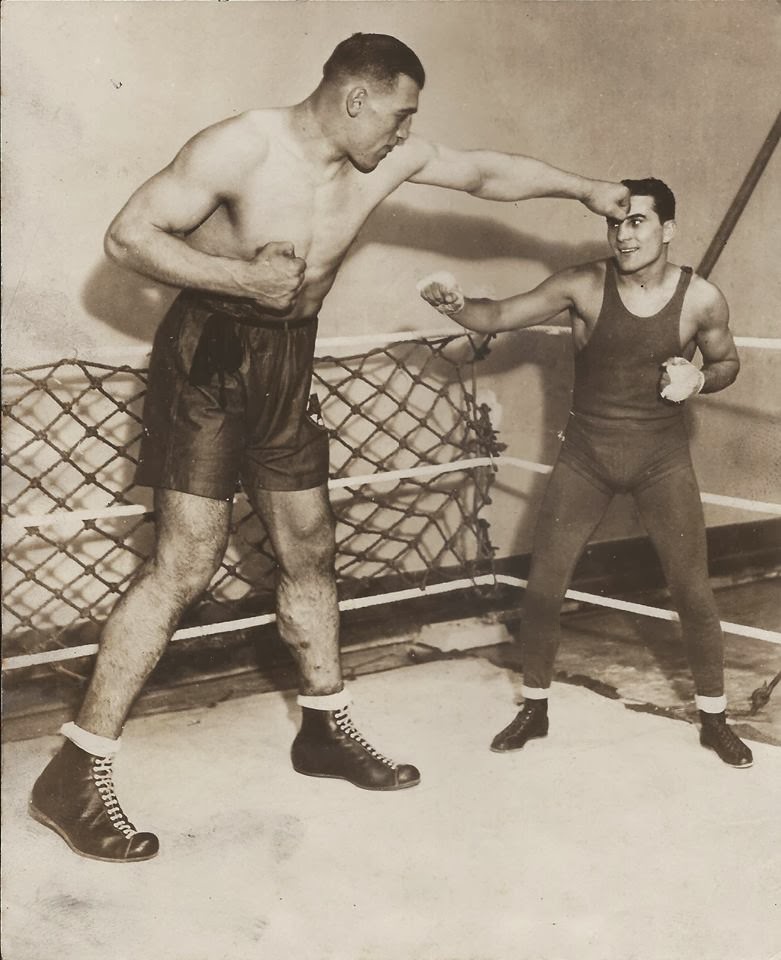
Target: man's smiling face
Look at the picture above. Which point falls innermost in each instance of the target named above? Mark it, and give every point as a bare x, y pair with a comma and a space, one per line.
640, 238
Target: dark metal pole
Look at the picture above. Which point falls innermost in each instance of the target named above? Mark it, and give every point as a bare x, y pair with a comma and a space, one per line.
732, 215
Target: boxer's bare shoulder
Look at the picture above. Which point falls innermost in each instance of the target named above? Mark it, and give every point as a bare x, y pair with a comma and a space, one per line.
586, 284
706, 298
705, 309
225, 151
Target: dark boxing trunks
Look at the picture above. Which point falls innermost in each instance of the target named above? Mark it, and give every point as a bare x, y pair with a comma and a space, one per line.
228, 399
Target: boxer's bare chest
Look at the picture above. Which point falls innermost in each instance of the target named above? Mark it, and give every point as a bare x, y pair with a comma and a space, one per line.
282, 198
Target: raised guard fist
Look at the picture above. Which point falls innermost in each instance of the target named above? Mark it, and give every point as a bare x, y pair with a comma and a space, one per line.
276, 275
443, 292
680, 380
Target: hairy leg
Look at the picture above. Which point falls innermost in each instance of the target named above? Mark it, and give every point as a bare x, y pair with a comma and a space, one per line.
191, 534
301, 528
571, 509
671, 511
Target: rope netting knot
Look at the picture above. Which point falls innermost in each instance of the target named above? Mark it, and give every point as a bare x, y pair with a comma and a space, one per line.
71, 434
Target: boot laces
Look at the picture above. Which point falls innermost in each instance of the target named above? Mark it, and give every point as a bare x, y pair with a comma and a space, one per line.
102, 774
346, 725
728, 738
521, 720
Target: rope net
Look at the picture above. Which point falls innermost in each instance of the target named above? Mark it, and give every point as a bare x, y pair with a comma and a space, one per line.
71, 434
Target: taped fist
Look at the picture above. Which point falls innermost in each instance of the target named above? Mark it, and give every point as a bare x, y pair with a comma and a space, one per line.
442, 291
680, 380
276, 275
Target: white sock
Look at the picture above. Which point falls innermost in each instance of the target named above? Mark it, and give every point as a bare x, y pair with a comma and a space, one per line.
711, 704
327, 701
535, 693
90, 742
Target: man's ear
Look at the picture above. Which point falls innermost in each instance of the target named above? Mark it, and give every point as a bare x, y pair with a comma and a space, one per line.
356, 98
668, 230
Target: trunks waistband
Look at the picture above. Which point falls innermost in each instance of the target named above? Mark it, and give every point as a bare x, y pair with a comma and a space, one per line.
245, 311
648, 424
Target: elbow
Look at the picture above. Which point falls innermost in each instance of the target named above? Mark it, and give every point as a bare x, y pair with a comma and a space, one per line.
486, 189
478, 183
114, 246
122, 242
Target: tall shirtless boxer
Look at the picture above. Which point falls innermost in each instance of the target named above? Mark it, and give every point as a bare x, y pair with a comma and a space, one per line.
252, 219
637, 321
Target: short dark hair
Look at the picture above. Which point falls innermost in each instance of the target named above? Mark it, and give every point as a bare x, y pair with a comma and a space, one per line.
662, 195
376, 56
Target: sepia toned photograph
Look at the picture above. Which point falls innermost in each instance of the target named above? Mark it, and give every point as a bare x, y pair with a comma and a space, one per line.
391, 480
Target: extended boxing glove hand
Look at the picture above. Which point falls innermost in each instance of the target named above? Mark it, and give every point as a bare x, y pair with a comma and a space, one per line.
443, 292
680, 380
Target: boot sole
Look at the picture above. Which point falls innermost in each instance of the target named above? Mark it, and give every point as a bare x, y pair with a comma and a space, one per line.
534, 736
335, 776
732, 766
36, 814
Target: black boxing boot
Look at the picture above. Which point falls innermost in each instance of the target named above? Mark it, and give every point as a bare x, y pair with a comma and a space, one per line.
329, 745
75, 797
530, 722
716, 734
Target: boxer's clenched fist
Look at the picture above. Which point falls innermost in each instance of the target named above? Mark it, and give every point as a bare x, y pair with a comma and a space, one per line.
442, 291
274, 275
680, 380
608, 199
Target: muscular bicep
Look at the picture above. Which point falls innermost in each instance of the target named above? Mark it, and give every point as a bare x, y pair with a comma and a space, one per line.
171, 202
440, 166
186, 192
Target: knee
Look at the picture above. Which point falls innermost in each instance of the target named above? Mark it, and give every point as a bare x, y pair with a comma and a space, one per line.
185, 573
696, 605
692, 590
542, 607
311, 552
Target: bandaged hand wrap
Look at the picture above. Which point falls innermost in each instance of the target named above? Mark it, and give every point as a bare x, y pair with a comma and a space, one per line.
447, 284
686, 380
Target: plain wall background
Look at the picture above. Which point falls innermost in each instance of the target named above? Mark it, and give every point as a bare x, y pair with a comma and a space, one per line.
98, 96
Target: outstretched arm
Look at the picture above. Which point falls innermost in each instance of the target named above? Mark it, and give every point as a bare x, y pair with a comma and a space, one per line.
148, 234
504, 176
493, 316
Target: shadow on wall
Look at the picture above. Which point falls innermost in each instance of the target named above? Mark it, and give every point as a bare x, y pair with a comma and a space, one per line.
135, 305
126, 301
468, 238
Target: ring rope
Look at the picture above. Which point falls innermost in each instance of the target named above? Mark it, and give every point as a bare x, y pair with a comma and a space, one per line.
761, 343
24, 521
189, 633
56, 517
129, 354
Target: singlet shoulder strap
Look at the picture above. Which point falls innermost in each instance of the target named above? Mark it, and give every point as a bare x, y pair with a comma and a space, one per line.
683, 285
611, 283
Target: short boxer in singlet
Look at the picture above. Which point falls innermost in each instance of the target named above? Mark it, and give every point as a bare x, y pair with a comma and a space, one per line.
625, 435
228, 399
